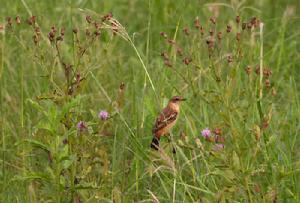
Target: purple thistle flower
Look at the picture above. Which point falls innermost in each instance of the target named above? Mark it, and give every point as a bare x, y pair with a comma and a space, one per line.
206, 133
103, 115
81, 126
218, 147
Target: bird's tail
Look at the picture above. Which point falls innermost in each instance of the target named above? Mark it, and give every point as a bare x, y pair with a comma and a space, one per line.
155, 143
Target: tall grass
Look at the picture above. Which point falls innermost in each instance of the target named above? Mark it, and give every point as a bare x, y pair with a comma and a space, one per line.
240, 83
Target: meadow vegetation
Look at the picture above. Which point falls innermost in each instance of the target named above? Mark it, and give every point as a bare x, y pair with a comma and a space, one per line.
81, 83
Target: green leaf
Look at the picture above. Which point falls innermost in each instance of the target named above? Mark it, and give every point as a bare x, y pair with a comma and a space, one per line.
35, 143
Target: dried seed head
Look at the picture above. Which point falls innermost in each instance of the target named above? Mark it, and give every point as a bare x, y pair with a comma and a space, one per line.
31, 20
244, 25
267, 83
62, 31
254, 22
59, 38
171, 41
37, 31
97, 25
218, 131
35, 39
51, 36
219, 139
267, 72
228, 28
163, 34
237, 19
202, 30
248, 70
179, 51
238, 36
88, 19
168, 63
210, 42
87, 32
186, 31
53, 29
9, 21
249, 25
219, 35
213, 20
18, 20
197, 23
211, 32
229, 58
274, 93
107, 16
265, 124
187, 60
165, 55
75, 30
183, 136
97, 33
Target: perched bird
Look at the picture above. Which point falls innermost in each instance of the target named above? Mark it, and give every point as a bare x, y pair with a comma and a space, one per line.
166, 120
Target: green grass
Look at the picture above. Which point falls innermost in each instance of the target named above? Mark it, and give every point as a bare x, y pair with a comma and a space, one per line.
44, 158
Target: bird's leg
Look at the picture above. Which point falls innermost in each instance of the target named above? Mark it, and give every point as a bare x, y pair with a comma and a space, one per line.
171, 141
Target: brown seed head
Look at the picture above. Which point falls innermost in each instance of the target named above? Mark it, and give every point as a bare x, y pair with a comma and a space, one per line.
75, 30
18, 20
219, 35
88, 19
228, 28
163, 34
187, 60
197, 23
179, 51
213, 20
237, 19
248, 70
244, 25
186, 31
238, 36
218, 131
168, 63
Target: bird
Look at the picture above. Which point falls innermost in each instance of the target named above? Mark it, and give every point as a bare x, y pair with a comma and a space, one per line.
166, 120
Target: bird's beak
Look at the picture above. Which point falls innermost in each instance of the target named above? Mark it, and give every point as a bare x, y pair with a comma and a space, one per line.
183, 99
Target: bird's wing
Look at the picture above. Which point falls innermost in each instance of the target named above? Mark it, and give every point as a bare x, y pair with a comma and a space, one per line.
166, 117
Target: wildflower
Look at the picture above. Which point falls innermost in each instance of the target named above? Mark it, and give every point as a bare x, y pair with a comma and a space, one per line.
103, 115
218, 147
81, 126
206, 133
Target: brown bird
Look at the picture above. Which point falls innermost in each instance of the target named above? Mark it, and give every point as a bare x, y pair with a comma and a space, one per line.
166, 120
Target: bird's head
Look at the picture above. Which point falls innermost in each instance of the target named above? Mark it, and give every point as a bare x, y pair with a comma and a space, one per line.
176, 100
